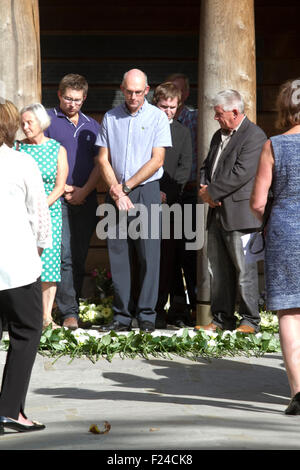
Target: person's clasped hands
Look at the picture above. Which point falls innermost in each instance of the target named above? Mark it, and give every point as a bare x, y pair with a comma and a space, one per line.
121, 199
203, 193
74, 195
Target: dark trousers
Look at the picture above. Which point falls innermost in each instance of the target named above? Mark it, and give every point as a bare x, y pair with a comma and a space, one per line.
23, 311
78, 225
231, 276
185, 260
167, 270
121, 255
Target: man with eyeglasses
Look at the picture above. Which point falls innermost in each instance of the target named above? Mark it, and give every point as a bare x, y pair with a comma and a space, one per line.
133, 138
77, 133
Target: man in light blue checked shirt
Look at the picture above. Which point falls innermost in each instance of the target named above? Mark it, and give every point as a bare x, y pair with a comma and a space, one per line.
132, 141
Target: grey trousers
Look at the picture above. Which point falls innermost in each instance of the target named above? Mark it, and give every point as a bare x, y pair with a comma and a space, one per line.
141, 255
230, 276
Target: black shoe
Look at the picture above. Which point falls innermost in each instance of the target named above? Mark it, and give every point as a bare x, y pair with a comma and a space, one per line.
16, 426
146, 326
115, 326
160, 321
182, 322
294, 406
177, 322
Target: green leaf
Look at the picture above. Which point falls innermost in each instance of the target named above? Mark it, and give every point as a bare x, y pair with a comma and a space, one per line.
106, 340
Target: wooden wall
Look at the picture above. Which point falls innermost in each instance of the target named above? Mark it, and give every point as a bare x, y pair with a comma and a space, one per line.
277, 53
102, 40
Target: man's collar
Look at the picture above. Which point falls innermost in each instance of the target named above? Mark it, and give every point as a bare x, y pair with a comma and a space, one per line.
227, 132
239, 125
61, 114
140, 110
182, 113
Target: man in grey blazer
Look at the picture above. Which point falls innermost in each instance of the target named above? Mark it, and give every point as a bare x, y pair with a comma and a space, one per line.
226, 180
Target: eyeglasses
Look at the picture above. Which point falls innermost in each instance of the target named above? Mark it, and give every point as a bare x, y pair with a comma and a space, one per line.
136, 93
71, 100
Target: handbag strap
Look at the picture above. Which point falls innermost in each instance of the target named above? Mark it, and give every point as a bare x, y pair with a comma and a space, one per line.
252, 241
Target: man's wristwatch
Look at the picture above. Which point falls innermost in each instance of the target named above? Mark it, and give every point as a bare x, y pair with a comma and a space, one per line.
126, 189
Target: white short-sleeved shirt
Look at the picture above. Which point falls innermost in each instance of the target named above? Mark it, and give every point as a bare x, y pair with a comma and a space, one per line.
130, 138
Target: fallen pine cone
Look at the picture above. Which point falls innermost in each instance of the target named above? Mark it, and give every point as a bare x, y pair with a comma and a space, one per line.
95, 429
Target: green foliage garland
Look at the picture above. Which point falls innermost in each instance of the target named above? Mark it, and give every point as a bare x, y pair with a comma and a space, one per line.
185, 343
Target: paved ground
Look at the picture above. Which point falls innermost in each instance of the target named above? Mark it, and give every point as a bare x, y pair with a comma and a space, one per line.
223, 404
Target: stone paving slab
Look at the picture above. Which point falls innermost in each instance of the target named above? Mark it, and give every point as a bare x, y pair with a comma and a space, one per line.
234, 403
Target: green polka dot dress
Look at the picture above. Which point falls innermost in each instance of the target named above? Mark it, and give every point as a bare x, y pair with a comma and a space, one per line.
45, 155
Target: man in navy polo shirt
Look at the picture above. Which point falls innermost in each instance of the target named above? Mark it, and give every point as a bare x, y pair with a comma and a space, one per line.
77, 133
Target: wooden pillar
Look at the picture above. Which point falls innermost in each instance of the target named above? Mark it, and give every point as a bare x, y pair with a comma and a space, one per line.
20, 64
226, 60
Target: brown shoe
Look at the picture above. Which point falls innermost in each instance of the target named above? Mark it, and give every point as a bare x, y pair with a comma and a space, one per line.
71, 323
210, 327
246, 329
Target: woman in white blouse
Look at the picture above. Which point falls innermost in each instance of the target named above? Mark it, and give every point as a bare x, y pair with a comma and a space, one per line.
25, 232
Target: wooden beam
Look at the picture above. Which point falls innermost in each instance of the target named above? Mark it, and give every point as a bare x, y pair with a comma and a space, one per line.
20, 72
226, 60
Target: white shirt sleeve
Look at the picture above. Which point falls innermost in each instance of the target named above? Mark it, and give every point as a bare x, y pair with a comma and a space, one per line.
102, 137
37, 207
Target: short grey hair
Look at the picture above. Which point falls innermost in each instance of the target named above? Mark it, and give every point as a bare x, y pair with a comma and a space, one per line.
229, 100
40, 113
125, 76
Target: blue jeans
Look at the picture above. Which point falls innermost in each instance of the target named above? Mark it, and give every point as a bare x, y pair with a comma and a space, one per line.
78, 225
230, 275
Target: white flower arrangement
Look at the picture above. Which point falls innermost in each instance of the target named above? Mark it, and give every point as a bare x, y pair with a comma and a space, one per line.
185, 342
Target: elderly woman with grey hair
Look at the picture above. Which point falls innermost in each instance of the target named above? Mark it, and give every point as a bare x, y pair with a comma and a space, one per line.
51, 158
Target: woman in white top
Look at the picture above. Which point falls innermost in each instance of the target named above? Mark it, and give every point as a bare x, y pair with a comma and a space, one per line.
25, 232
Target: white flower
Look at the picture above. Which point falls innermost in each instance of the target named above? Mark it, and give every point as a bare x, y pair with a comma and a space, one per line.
124, 333
80, 335
82, 339
212, 343
78, 332
180, 332
192, 334
228, 332
94, 334
212, 334
157, 333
